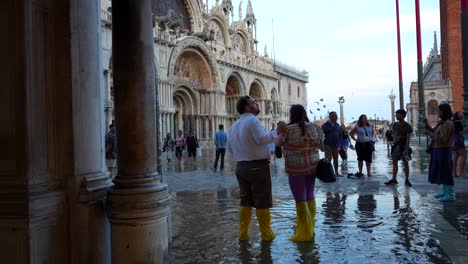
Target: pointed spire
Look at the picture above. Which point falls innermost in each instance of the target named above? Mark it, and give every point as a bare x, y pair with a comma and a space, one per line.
250, 13
227, 7
436, 47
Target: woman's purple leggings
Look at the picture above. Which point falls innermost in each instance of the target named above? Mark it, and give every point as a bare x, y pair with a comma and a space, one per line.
302, 187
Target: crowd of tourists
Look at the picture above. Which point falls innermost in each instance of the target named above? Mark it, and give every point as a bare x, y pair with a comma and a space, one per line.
300, 142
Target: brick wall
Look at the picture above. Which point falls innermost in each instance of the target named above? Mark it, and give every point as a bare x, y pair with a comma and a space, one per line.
451, 49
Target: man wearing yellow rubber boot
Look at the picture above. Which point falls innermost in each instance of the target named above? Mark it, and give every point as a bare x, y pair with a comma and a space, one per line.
249, 146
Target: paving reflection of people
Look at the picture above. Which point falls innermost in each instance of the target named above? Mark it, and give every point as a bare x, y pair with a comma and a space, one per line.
301, 141
334, 207
366, 205
440, 165
248, 144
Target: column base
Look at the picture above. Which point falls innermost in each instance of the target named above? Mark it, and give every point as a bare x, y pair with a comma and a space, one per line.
139, 212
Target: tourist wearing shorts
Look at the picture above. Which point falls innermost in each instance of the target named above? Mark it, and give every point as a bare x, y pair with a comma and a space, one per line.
248, 144
333, 139
364, 132
401, 150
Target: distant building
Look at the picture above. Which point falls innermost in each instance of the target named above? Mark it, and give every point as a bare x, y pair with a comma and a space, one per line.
436, 89
205, 60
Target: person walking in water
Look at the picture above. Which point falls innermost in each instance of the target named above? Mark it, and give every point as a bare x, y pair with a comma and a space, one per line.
272, 146
248, 144
179, 144
111, 150
220, 143
168, 147
192, 144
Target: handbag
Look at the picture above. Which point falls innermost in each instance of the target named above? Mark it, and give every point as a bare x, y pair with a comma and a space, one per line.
278, 152
325, 171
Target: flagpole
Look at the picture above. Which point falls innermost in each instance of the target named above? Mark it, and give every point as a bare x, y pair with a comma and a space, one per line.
420, 70
400, 70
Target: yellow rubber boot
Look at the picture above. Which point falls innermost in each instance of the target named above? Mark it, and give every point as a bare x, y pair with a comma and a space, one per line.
264, 219
245, 215
312, 208
303, 231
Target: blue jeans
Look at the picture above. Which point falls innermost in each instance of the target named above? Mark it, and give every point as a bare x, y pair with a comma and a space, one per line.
220, 151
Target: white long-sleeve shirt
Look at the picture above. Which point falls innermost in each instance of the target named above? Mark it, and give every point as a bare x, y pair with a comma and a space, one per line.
248, 139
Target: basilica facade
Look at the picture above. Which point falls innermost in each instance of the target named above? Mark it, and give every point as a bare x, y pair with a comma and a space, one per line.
436, 89
205, 60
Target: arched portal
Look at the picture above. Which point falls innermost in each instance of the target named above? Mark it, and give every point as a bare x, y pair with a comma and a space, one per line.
275, 102
193, 70
255, 91
233, 92
184, 104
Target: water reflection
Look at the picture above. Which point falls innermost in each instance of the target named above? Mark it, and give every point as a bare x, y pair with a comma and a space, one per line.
334, 208
457, 213
308, 252
356, 221
366, 205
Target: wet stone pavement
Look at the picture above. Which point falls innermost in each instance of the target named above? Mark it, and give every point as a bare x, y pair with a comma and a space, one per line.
357, 220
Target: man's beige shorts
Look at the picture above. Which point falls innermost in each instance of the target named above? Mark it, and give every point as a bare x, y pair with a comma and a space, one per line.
331, 152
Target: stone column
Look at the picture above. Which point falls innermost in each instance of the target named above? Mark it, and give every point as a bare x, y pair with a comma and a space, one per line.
392, 101
341, 101
90, 226
138, 204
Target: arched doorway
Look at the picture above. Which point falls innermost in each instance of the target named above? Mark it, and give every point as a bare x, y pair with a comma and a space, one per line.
233, 92
193, 97
185, 105
432, 111
274, 105
256, 92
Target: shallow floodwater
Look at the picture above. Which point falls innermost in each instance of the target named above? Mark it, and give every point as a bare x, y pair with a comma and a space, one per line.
357, 220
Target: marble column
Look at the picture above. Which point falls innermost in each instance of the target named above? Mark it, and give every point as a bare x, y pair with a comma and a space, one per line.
90, 226
138, 204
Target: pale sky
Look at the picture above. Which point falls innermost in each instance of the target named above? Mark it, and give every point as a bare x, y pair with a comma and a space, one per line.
348, 47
